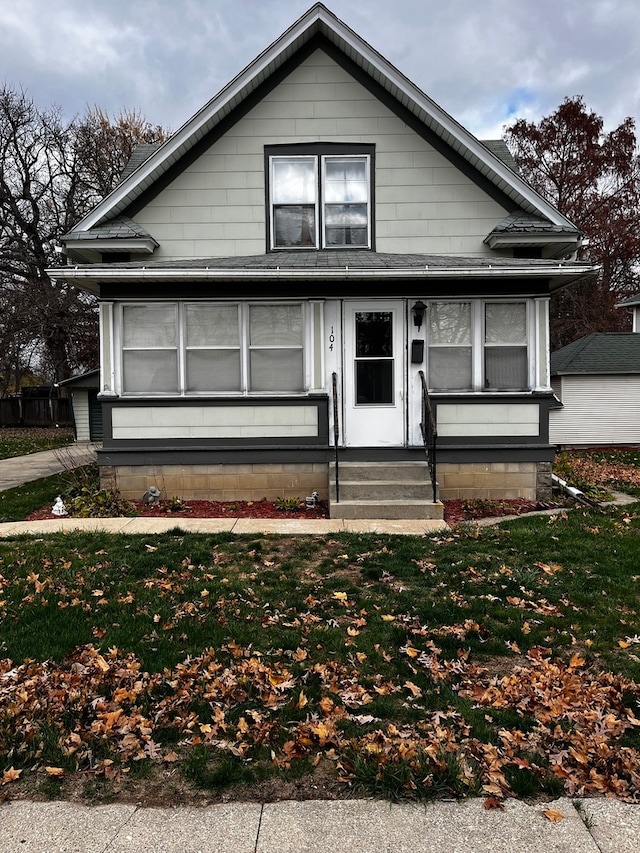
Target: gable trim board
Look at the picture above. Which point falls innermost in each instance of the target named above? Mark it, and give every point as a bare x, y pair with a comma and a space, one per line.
225, 365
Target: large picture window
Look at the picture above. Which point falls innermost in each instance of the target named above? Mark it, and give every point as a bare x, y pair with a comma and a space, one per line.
320, 200
205, 348
476, 345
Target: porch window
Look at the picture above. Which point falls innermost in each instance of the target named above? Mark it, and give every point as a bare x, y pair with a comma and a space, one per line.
505, 346
213, 357
478, 345
150, 349
190, 348
320, 201
450, 351
275, 348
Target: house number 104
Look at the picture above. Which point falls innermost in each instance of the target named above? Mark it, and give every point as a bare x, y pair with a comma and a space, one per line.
332, 339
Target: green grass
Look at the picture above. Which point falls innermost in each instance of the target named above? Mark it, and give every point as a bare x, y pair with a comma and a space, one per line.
17, 503
21, 441
248, 656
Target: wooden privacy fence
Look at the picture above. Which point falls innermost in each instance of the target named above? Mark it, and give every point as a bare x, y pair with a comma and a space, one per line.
32, 412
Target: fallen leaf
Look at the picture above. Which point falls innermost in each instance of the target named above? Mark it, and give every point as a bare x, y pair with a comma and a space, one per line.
493, 803
10, 775
553, 815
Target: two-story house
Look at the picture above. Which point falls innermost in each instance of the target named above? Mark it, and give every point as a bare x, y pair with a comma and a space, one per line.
311, 264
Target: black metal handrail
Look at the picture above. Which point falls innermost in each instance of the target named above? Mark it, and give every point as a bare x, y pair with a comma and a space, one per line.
429, 433
336, 429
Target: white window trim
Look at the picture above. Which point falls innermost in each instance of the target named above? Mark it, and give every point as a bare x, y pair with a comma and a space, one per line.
320, 203
181, 347
477, 345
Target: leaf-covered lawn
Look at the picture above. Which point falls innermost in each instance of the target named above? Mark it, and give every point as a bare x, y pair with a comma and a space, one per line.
21, 441
598, 471
500, 661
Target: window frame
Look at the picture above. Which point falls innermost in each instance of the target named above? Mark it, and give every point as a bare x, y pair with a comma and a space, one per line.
320, 152
479, 346
244, 347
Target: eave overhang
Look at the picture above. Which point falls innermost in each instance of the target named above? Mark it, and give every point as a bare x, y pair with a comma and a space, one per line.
133, 246
91, 277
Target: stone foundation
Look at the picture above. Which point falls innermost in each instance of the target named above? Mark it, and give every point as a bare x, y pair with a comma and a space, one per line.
248, 482
495, 480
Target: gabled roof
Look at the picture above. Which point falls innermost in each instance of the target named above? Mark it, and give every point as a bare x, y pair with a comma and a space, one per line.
318, 21
599, 353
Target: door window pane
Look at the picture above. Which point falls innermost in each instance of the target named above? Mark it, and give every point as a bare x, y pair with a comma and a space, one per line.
374, 334
374, 382
374, 358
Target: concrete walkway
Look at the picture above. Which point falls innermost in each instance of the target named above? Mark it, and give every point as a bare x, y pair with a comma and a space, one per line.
342, 826
23, 469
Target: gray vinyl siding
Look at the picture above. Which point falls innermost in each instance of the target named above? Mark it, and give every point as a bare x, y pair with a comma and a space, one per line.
216, 207
596, 410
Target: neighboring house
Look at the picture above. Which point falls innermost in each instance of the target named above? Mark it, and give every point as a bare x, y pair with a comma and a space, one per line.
632, 305
276, 279
597, 381
85, 406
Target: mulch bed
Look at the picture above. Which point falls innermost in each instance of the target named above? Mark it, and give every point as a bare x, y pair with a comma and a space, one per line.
455, 511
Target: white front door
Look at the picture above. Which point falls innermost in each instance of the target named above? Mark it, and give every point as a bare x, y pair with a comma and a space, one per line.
374, 374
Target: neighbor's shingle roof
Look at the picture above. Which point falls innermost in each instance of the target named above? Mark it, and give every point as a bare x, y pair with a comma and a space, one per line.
600, 352
499, 148
140, 153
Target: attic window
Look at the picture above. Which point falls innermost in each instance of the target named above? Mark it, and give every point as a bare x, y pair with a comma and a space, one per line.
320, 200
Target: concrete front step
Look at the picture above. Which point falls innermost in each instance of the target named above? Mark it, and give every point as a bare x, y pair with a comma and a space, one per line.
384, 490
387, 509
378, 490
380, 471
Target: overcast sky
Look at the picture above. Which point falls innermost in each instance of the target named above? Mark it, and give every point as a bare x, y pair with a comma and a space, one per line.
484, 61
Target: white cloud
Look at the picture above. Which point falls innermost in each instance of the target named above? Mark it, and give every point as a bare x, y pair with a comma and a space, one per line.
484, 61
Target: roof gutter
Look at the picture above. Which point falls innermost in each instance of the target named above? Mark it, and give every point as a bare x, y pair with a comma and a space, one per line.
217, 273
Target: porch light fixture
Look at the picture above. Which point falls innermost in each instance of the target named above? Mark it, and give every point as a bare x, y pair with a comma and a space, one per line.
418, 313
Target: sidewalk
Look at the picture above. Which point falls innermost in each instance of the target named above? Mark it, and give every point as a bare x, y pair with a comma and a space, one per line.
342, 826
23, 469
